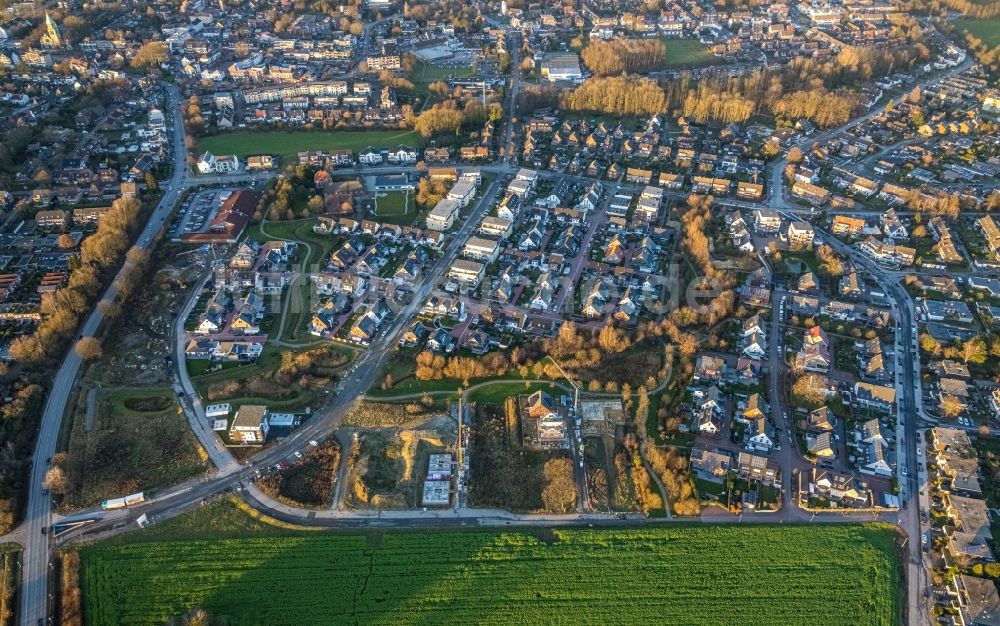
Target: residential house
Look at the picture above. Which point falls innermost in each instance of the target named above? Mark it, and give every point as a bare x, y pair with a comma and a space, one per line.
250, 425
840, 487
766, 221
709, 409
415, 334
814, 356
754, 410
762, 436
709, 368
845, 225
465, 272
877, 397
800, 233
709, 465
757, 468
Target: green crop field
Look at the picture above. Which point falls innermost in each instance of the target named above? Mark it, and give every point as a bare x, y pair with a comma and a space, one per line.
287, 145
986, 30
691, 574
683, 53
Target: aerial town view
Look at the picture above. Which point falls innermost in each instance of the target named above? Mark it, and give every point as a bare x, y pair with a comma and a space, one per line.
499, 312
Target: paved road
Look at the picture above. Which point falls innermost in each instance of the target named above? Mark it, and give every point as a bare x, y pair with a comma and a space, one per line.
776, 195
190, 401
776, 395
909, 401
34, 589
908, 411
38, 514
515, 87
34, 597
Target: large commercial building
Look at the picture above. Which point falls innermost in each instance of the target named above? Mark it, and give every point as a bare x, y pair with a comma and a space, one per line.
557, 67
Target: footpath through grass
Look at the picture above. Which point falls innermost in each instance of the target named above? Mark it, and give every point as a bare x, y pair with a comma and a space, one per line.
691, 574
287, 145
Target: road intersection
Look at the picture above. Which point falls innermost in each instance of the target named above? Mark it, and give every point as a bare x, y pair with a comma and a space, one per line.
35, 596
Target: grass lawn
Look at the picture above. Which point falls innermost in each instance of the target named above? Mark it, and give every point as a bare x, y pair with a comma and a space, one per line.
986, 30
255, 383
682, 53
219, 558
140, 440
401, 365
709, 487
310, 258
395, 207
425, 72
197, 367
287, 145
501, 391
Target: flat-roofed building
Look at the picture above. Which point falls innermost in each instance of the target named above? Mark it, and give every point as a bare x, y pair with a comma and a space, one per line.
495, 227
436, 493
649, 203
439, 467
442, 216
481, 249
463, 191
466, 272
250, 424
556, 67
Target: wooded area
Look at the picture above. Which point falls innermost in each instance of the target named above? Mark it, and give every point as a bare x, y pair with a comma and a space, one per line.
611, 58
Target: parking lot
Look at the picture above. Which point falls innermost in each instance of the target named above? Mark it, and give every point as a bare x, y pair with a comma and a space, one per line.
198, 211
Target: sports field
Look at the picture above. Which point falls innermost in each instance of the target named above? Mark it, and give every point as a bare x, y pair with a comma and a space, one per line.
986, 30
396, 207
425, 72
682, 53
287, 145
690, 574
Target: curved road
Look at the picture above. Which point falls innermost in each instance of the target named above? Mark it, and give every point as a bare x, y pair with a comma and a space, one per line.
34, 594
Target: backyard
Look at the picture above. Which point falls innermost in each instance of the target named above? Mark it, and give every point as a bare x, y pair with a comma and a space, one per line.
287, 145
217, 558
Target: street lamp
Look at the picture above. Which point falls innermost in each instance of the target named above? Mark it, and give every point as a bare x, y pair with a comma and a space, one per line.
576, 388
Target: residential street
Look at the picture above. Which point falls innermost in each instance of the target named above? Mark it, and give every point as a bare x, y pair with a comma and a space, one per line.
35, 596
